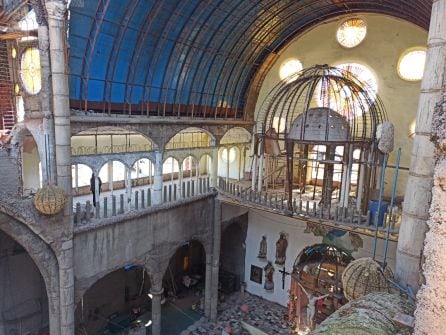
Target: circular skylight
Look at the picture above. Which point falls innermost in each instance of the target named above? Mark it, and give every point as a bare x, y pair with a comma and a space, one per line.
351, 32
290, 68
411, 64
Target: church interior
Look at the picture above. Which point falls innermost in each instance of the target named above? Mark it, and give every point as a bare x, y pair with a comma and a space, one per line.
222, 167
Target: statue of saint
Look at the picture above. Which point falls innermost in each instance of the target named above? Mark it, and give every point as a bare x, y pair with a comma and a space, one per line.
281, 246
263, 248
269, 272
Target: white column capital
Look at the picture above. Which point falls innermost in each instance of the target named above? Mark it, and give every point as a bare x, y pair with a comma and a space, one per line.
56, 9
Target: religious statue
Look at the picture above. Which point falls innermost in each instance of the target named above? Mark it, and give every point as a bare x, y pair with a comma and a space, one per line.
281, 246
263, 248
269, 271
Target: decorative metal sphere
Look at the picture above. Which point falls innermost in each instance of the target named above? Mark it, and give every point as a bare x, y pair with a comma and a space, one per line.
49, 200
364, 276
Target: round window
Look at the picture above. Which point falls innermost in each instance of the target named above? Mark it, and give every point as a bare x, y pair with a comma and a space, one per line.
289, 69
411, 64
30, 71
351, 32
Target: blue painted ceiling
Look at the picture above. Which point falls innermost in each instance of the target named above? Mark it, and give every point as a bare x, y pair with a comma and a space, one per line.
192, 57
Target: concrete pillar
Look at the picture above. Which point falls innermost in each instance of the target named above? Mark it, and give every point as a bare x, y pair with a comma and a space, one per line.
49, 163
208, 286
128, 187
228, 164
214, 167
216, 240
110, 176
180, 180
419, 183
57, 41
158, 179
157, 293
61, 111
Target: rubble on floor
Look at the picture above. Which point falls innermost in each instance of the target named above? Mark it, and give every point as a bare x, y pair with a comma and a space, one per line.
267, 316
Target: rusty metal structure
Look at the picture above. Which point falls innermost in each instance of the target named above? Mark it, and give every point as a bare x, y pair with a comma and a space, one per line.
193, 58
323, 122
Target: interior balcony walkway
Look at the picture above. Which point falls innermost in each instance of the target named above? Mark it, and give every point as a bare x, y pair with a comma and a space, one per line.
345, 218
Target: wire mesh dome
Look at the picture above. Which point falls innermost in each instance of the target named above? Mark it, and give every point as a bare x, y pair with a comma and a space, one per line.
324, 104
364, 276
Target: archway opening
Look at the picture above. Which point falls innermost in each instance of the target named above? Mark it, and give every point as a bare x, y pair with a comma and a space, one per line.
142, 173
116, 303
316, 288
190, 138
184, 283
232, 254
31, 165
24, 301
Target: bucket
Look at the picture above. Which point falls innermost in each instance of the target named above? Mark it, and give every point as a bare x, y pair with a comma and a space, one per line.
373, 207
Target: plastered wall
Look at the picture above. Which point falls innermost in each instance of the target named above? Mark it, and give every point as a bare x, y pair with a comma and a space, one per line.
271, 225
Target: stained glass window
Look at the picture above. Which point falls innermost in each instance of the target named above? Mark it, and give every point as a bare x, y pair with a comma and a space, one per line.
30, 71
351, 32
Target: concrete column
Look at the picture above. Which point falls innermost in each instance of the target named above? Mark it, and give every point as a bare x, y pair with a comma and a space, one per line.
208, 286
49, 163
228, 163
214, 168
216, 239
419, 183
180, 180
66, 284
110, 176
157, 293
158, 179
128, 187
57, 41
61, 111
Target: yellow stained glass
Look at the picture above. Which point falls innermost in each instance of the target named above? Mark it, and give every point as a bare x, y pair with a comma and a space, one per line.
351, 33
31, 74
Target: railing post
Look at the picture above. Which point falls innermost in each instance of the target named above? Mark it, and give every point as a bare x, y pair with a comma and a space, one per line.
193, 188
174, 192
170, 192
165, 193
87, 211
78, 217
105, 207
143, 202
183, 190
149, 197
121, 203
113, 205
136, 200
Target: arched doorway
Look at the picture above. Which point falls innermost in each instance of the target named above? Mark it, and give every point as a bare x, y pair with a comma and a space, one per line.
24, 301
116, 303
232, 253
316, 286
184, 286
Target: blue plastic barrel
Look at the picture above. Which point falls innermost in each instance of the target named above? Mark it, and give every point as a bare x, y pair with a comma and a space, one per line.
373, 207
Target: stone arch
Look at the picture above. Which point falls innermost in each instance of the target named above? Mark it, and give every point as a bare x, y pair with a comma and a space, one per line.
182, 129
235, 132
190, 155
114, 159
205, 245
126, 285
112, 131
82, 286
44, 258
150, 158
